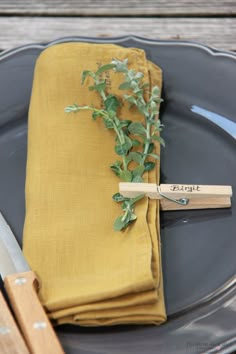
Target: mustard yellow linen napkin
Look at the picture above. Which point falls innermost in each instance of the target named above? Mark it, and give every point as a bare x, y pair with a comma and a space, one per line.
90, 275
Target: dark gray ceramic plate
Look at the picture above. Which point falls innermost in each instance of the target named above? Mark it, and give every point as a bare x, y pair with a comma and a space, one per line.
198, 247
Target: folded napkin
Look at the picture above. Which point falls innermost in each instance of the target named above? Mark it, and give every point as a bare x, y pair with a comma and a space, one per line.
90, 275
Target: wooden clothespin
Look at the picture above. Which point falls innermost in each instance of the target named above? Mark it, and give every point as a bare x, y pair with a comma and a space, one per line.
181, 196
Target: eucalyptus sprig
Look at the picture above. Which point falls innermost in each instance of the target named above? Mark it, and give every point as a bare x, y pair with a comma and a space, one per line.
134, 141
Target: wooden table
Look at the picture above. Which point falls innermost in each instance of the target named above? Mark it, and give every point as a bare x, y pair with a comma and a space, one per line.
211, 22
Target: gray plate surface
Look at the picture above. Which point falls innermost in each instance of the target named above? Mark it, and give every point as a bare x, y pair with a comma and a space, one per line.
198, 247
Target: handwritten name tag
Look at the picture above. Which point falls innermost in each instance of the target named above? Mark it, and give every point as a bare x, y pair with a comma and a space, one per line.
185, 188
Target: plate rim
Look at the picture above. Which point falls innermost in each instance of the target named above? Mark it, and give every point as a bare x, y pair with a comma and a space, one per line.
215, 52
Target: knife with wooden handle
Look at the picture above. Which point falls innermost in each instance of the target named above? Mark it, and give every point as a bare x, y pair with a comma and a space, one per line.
11, 340
21, 286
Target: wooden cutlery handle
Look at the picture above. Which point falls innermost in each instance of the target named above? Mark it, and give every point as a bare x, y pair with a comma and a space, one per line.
31, 316
11, 340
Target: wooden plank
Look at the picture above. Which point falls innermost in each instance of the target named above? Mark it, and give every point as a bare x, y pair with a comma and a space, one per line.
216, 32
118, 7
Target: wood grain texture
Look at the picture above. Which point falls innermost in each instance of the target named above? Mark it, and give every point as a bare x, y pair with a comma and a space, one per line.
34, 323
174, 191
216, 32
198, 196
11, 340
118, 7
208, 203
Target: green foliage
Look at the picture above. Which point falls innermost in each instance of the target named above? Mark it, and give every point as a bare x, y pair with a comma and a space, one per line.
148, 166
135, 156
108, 122
116, 168
138, 171
99, 87
118, 197
111, 103
120, 66
137, 179
126, 176
121, 149
128, 134
86, 73
104, 68
136, 128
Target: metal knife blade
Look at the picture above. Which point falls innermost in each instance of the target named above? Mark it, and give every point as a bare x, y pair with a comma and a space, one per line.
12, 259
21, 286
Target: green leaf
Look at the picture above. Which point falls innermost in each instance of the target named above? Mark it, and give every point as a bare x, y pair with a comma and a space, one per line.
148, 166
91, 88
119, 224
147, 140
138, 75
125, 204
111, 103
126, 176
121, 149
125, 123
143, 109
104, 68
111, 114
100, 86
128, 143
86, 73
138, 171
116, 168
136, 128
118, 197
135, 142
108, 123
127, 217
130, 99
138, 92
120, 66
132, 73
157, 124
96, 114
124, 86
160, 139
155, 156
154, 108
134, 85
137, 179
118, 163
155, 91
150, 148
132, 217
135, 156
136, 199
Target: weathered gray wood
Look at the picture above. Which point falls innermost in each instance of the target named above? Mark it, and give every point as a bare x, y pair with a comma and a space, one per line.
118, 7
216, 32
